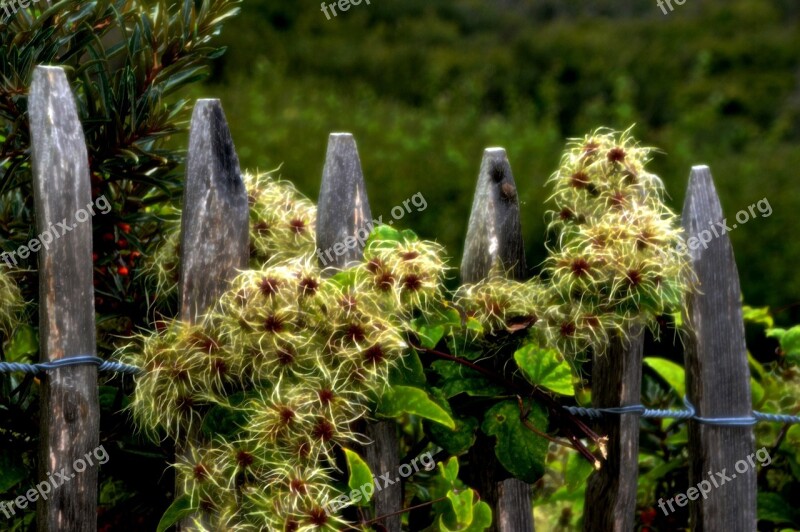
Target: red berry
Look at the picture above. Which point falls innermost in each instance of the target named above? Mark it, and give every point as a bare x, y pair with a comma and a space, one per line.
123, 271
122, 243
108, 237
94, 257
125, 228
135, 255
648, 516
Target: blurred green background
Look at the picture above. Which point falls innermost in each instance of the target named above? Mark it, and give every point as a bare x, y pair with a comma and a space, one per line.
426, 85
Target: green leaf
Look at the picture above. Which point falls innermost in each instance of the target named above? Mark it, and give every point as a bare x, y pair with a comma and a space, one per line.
449, 469
23, 345
360, 475
409, 371
458, 440
774, 508
519, 450
790, 342
672, 373
577, 471
481, 518
457, 378
181, 508
12, 470
462, 506
345, 278
756, 365
409, 235
474, 325
429, 335
455, 441
758, 316
756, 392
546, 368
399, 400
384, 233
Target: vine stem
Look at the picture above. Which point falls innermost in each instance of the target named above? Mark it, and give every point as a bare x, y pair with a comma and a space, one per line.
404, 510
533, 392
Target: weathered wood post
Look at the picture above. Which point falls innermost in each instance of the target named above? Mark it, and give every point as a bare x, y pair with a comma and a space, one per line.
494, 241
717, 371
70, 411
215, 218
342, 211
214, 222
610, 501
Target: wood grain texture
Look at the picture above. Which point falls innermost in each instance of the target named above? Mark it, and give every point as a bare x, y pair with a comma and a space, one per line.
215, 218
214, 224
342, 211
494, 238
610, 501
717, 372
70, 412
343, 207
494, 234
383, 456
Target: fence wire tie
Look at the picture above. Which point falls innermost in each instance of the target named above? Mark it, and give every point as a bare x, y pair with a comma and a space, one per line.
44, 367
689, 413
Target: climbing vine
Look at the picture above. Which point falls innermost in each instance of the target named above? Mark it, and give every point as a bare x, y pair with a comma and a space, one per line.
273, 385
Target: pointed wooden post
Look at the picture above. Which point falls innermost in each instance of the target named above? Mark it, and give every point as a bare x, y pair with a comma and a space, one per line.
214, 223
70, 411
494, 242
343, 214
215, 219
610, 501
717, 371
343, 207
494, 236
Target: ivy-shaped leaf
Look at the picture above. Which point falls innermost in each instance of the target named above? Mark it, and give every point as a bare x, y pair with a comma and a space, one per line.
790, 342
546, 368
455, 441
457, 378
519, 450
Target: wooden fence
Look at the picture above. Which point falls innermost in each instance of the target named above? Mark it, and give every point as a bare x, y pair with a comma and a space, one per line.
214, 238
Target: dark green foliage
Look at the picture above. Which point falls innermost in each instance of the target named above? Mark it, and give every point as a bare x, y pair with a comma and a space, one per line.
125, 60
425, 85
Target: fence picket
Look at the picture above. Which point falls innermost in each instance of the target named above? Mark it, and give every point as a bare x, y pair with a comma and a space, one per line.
610, 501
214, 221
70, 410
215, 244
494, 238
717, 371
342, 211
